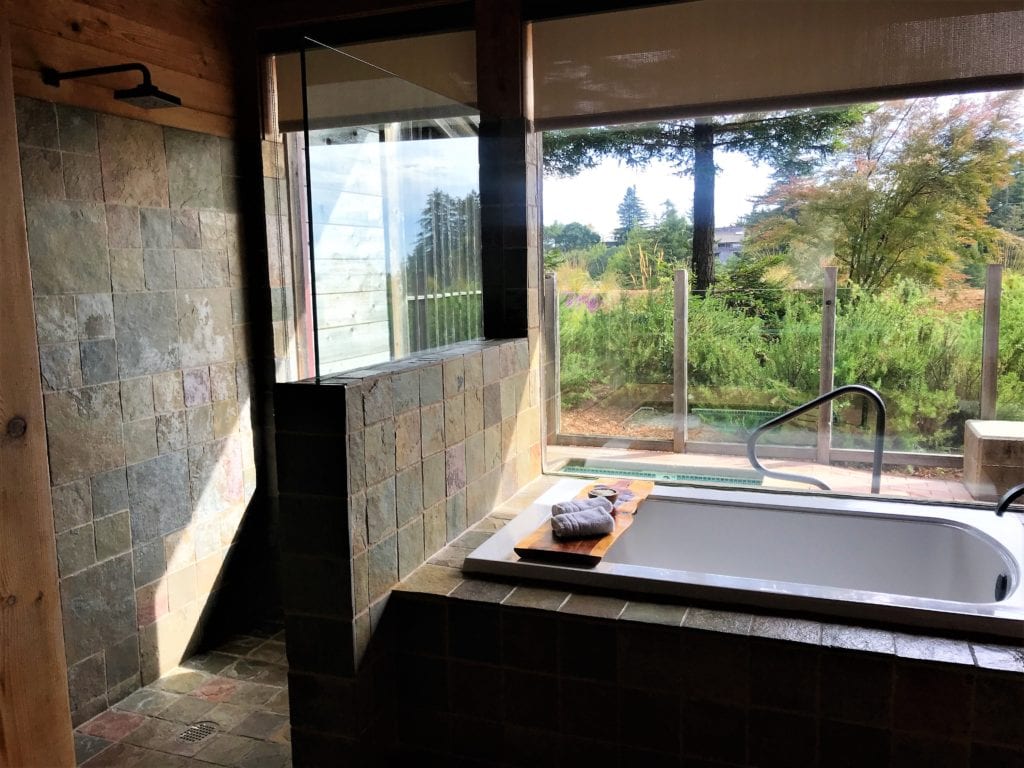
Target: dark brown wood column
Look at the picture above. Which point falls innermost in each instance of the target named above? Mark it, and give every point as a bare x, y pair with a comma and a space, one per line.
509, 167
35, 719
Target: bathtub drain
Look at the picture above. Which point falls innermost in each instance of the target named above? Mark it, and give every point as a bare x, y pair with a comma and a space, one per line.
1002, 586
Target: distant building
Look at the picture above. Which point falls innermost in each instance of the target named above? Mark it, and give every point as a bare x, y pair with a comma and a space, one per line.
728, 241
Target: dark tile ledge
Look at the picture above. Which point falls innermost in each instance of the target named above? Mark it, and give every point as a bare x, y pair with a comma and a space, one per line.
442, 576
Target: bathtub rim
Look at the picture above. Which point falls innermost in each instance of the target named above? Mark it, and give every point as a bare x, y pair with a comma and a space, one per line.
1004, 620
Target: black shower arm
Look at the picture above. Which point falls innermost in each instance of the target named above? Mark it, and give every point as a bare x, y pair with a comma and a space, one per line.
53, 77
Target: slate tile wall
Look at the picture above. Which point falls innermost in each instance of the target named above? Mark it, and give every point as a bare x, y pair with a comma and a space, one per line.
137, 276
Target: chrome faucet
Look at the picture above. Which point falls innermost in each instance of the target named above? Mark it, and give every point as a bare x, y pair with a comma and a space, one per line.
1008, 497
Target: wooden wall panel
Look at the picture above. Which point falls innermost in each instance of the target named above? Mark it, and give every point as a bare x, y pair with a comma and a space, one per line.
187, 46
35, 722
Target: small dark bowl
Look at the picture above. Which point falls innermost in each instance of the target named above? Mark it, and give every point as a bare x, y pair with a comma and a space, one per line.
604, 492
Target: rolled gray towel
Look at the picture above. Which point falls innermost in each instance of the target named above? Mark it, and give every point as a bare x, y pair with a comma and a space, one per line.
582, 524
567, 507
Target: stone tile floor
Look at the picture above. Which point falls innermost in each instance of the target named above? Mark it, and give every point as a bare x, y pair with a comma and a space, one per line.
240, 690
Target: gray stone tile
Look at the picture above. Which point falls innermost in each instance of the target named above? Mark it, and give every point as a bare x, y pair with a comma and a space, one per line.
380, 510
57, 228
148, 559
379, 447
56, 319
455, 469
778, 628
147, 701
199, 423
122, 660
76, 129
196, 382
998, 657
225, 749
593, 605
455, 514
82, 180
216, 273
432, 429
37, 123
84, 432
187, 709
406, 390
140, 440
454, 420
75, 550
137, 398
72, 505
409, 492
259, 725
222, 381
60, 366
433, 479
113, 537
158, 267
204, 318
158, 491
185, 230
98, 360
378, 402
432, 579
123, 227
215, 476
109, 493
171, 432
127, 270
147, 333
188, 268
933, 649
168, 392
267, 755
156, 228
87, 746
193, 169
858, 638
480, 591
410, 547
42, 174
435, 529
95, 313
431, 385
132, 158
212, 230
719, 621
97, 604
537, 597
383, 566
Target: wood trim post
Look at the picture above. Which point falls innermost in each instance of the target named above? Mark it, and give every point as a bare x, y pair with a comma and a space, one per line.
990, 341
827, 378
680, 333
35, 716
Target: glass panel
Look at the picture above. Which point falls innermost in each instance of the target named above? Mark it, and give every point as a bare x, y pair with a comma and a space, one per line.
395, 214
754, 353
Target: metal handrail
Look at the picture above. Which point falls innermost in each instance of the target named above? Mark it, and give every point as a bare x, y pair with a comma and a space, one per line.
876, 465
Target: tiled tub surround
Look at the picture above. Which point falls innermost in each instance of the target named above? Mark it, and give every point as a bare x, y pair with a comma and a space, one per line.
932, 567
377, 471
137, 276
476, 672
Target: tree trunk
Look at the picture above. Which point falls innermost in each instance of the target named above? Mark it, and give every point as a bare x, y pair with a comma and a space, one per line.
703, 205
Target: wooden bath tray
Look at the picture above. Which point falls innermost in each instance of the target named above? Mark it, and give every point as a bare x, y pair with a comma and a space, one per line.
541, 545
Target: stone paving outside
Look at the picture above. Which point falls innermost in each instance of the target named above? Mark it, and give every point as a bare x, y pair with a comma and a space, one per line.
944, 487
241, 689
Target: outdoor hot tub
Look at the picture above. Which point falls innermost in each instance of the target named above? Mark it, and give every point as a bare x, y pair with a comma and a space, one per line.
944, 568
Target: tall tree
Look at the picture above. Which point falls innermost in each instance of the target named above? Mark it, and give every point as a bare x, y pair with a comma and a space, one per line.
575, 236
908, 194
788, 141
631, 214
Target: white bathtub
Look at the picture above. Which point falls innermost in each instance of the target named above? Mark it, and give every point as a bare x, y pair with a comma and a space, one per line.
933, 566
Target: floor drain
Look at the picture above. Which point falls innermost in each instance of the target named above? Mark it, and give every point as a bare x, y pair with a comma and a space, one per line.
198, 731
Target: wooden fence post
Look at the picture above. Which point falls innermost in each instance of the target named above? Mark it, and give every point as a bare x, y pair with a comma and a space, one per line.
990, 341
680, 331
826, 379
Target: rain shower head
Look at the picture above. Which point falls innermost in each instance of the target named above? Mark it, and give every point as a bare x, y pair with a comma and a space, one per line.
145, 95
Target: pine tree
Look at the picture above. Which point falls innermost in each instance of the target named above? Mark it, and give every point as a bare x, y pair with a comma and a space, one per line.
631, 214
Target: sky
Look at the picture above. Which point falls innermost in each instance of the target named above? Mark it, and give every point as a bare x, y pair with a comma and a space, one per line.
593, 196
